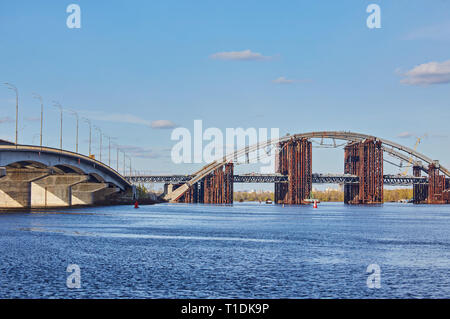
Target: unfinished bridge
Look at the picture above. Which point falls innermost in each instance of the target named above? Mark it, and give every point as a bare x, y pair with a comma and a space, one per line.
363, 177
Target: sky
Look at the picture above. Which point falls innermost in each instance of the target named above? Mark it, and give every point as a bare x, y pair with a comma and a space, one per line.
138, 69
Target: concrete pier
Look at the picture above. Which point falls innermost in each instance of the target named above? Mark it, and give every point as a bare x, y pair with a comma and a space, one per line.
54, 190
15, 191
91, 193
25, 188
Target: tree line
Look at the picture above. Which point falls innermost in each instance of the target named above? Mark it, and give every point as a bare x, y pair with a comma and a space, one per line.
390, 195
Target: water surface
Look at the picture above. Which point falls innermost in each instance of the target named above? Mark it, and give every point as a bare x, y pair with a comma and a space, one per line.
242, 251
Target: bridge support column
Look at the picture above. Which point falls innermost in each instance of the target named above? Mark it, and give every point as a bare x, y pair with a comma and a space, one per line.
190, 196
437, 192
90, 193
228, 184
168, 188
420, 190
294, 159
281, 189
216, 188
364, 159
54, 190
15, 191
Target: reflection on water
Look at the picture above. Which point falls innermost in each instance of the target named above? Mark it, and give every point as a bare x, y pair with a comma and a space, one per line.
242, 251
122, 235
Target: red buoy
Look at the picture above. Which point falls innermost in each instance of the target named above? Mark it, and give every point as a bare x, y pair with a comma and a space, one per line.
136, 204
315, 204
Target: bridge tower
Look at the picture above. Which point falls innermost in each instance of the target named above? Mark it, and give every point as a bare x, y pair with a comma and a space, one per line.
228, 183
438, 193
364, 159
294, 159
216, 188
420, 190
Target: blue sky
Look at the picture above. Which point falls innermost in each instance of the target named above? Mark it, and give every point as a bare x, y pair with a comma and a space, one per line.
136, 62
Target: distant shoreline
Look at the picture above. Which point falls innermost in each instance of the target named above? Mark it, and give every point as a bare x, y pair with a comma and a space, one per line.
336, 196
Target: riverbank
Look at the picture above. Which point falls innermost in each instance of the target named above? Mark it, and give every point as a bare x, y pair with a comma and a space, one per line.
334, 195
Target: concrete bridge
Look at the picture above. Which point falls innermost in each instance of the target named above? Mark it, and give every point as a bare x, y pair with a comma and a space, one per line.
42, 177
363, 161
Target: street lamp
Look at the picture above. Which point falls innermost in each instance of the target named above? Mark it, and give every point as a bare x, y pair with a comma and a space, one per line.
130, 167
12, 87
78, 119
109, 148
90, 133
109, 151
37, 96
124, 163
56, 104
125, 166
117, 159
100, 133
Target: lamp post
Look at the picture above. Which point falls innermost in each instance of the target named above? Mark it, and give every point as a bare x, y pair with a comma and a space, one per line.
117, 159
90, 133
124, 170
37, 96
12, 87
100, 134
130, 166
56, 104
109, 149
78, 120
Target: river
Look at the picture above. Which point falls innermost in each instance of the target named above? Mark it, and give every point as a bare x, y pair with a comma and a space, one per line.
247, 250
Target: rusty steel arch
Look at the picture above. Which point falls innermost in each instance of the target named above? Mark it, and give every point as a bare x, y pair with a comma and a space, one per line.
397, 150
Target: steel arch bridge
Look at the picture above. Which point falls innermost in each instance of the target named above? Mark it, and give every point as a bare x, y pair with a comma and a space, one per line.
394, 149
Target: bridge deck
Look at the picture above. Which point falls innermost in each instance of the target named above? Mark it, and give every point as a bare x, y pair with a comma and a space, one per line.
391, 180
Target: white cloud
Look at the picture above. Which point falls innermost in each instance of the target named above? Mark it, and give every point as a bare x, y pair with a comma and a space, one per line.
127, 118
115, 117
283, 80
405, 135
246, 55
140, 152
163, 124
428, 74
